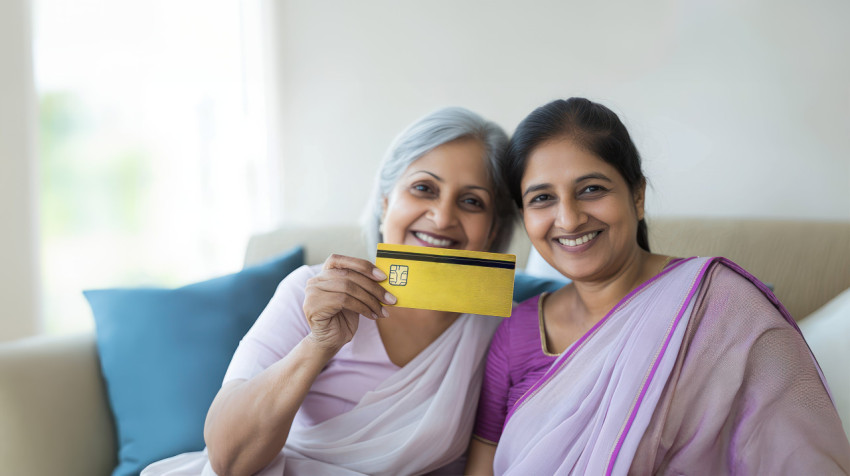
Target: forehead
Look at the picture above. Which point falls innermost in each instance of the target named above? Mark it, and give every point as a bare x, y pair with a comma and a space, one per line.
459, 160
563, 160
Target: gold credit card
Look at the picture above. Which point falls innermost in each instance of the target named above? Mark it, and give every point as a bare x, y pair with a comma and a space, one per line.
439, 279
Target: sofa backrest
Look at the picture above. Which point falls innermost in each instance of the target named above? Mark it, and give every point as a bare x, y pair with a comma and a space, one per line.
807, 262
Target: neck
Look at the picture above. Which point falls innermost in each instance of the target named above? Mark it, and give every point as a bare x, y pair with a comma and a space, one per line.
406, 332
593, 299
418, 318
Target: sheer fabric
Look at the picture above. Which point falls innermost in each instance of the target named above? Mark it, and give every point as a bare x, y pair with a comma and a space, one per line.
698, 371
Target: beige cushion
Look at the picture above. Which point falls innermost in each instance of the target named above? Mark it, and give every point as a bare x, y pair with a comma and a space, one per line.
807, 262
54, 416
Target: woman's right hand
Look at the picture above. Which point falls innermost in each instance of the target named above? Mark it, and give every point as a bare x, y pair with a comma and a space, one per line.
249, 420
345, 288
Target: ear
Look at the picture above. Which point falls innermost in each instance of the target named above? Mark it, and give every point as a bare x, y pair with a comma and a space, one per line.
639, 197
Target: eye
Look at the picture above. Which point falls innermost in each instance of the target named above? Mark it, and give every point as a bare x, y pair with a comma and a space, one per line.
422, 188
593, 190
472, 202
539, 199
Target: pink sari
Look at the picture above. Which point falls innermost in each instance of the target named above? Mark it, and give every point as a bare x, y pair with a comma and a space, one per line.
700, 370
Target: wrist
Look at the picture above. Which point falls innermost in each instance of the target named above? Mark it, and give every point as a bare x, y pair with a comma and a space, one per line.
320, 348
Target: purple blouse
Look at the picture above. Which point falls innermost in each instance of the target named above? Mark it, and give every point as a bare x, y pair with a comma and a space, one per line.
516, 360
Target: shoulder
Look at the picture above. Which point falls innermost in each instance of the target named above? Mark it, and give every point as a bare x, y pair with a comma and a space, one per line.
296, 281
522, 326
523, 314
728, 289
303, 273
528, 310
285, 308
725, 278
278, 329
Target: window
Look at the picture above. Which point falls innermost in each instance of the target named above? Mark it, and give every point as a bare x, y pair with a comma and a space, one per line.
153, 144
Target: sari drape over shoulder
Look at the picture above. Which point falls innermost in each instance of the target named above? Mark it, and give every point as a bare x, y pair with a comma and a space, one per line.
698, 371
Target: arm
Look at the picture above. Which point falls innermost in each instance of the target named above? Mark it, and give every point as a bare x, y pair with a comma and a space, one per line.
784, 419
744, 396
794, 420
249, 420
480, 458
492, 405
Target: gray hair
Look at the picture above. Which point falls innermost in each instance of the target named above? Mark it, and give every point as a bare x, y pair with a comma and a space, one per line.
437, 128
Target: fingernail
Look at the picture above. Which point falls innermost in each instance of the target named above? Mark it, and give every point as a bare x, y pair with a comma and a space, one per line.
379, 274
385, 312
374, 316
390, 298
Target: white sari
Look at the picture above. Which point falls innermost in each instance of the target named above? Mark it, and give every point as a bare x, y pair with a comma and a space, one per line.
418, 420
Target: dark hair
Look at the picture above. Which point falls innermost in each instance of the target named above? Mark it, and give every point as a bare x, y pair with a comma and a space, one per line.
591, 126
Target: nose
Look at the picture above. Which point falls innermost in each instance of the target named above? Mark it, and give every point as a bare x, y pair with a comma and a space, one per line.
571, 216
443, 214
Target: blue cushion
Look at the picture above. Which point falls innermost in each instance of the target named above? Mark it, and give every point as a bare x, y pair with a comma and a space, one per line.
163, 353
527, 286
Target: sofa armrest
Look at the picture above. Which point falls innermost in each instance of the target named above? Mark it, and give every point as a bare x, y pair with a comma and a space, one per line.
54, 414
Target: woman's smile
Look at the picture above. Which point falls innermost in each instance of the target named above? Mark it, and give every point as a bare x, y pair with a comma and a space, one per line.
577, 244
431, 239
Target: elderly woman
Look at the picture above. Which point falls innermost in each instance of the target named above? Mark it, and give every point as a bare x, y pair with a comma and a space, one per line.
332, 380
644, 364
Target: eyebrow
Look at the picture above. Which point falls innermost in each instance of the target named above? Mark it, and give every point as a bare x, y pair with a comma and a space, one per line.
534, 188
590, 176
439, 179
594, 175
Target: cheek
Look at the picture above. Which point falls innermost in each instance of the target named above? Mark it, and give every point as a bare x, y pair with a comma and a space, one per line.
623, 220
537, 224
479, 226
400, 205
627, 212
396, 215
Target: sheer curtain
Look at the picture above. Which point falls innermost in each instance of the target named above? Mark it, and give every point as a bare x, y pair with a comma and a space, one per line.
153, 143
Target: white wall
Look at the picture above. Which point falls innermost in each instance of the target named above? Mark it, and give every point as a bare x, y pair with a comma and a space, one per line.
739, 108
18, 240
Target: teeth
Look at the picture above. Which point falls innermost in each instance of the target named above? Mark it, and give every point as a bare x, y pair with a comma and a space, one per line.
580, 241
433, 241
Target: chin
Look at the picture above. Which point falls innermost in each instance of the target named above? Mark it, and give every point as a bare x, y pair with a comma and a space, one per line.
575, 271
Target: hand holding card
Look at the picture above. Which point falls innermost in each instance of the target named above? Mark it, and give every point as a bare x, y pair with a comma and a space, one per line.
439, 279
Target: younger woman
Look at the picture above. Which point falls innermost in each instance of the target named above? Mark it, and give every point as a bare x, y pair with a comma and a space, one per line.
644, 364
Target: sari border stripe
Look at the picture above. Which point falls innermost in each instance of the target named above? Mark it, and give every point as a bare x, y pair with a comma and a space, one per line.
633, 414
577, 344
484, 440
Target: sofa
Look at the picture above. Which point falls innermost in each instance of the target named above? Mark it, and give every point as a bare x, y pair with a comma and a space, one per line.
56, 417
